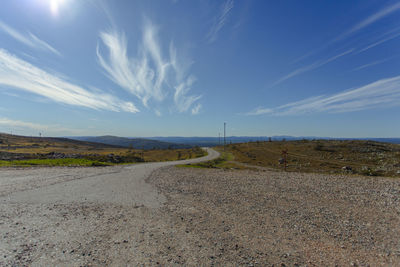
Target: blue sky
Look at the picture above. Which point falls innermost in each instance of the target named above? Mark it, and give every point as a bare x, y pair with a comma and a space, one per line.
182, 68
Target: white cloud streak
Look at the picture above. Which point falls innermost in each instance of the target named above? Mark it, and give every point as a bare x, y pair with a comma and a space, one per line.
43, 128
220, 21
158, 113
372, 64
182, 101
260, 111
371, 19
393, 36
311, 67
29, 39
19, 74
382, 93
149, 76
196, 109
357, 27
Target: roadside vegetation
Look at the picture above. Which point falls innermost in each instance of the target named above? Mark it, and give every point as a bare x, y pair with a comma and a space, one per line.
20, 151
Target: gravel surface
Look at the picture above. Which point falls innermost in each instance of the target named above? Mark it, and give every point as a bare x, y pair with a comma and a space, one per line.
274, 218
203, 217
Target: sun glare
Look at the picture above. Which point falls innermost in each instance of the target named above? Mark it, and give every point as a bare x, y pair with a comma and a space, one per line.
55, 6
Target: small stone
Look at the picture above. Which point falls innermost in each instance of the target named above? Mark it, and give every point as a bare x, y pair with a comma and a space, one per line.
347, 168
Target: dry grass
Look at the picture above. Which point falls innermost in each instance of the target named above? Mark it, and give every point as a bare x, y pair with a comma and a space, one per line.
323, 156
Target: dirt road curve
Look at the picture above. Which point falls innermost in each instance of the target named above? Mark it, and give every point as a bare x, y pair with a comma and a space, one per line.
117, 185
30, 197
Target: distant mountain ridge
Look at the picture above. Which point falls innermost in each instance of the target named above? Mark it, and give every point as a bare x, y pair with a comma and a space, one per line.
214, 141
12, 139
173, 142
136, 143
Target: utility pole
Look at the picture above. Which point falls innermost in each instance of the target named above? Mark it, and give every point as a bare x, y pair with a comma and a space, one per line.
224, 135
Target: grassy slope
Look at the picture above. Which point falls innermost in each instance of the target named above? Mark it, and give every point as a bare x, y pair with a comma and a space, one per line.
323, 156
26, 144
93, 154
326, 156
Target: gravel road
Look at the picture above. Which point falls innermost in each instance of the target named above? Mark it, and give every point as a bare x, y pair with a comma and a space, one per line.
157, 214
123, 185
33, 199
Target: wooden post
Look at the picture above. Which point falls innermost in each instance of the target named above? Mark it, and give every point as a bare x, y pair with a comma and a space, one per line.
284, 156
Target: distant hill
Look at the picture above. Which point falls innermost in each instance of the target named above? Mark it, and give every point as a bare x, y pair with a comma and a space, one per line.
18, 141
56, 151
386, 140
136, 143
17, 147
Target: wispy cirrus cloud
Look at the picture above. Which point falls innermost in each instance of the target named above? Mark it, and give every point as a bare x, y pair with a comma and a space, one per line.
382, 93
260, 111
149, 76
21, 75
181, 99
384, 12
372, 63
196, 109
369, 20
12, 124
220, 21
381, 41
311, 67
183, 84
28, 39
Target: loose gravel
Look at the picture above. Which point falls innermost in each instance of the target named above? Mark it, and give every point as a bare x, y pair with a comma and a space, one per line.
280, 219
215, 217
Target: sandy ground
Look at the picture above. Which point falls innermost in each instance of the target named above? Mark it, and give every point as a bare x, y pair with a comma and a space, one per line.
185, 216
